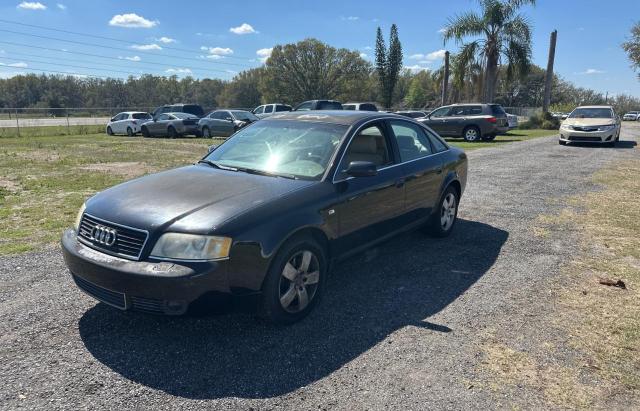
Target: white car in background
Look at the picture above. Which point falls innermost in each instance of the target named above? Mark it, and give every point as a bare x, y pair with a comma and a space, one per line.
127, 122
591, 124
267, 110
632, 116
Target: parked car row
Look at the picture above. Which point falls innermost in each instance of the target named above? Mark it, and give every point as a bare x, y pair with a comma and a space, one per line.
632, 116
473, 122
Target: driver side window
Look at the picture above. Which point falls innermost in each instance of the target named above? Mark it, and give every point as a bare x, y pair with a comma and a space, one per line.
370, 144
441, 112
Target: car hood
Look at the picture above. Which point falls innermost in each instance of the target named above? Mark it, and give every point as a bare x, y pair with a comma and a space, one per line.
195, 198
582, 122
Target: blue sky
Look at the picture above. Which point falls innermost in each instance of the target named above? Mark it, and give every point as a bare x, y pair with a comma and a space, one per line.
220, 38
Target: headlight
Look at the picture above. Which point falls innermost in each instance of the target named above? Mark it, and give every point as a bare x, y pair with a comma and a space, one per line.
566, 127
605, 128
180, 246
76, 225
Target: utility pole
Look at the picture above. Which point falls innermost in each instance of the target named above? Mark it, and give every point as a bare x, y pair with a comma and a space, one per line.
549, 75
445, 79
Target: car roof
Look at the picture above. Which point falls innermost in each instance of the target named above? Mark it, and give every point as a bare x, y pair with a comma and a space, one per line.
344, 117
133, 112
595, 107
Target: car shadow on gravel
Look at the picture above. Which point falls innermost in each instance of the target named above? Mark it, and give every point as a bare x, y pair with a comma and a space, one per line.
622, 144
401, 283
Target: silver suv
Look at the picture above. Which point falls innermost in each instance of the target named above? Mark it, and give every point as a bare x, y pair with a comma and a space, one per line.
473, 122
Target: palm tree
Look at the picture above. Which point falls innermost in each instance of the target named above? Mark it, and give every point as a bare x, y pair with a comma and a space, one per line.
501, 34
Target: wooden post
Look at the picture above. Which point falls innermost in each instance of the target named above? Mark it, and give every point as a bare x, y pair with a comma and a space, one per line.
68, 128
445, 80
17, 123
549, 75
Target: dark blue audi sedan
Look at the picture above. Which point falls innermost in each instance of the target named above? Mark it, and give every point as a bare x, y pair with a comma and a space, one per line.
266, 213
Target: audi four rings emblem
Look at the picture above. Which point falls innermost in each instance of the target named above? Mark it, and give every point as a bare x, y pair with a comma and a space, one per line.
104, 235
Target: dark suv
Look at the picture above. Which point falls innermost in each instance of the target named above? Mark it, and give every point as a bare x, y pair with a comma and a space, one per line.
319, 105
472, 122
194, 109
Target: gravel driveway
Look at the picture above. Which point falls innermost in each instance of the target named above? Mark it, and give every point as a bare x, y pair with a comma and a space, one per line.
399, 327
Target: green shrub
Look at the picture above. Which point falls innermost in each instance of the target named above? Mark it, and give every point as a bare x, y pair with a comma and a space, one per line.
541, 120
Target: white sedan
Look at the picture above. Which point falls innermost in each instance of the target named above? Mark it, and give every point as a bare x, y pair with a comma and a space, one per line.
128, 122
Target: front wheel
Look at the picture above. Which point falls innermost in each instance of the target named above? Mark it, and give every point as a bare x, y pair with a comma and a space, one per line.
145, 132
294, 282
206, 133
446, 214
471, 134
129, 131
109, 131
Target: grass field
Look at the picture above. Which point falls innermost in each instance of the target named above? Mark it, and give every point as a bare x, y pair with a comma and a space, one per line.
44, 180
50, 131
511, 137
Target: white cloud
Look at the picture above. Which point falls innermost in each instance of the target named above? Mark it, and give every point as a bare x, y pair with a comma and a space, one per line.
592, 71
417, 68
216, 53
146, 47
32, 5
429, 57
351, 18
61, 6
367, 48
132, 20
364, 55
133, 58
244, 28
179, 71
264, 54
166, 40
18, 65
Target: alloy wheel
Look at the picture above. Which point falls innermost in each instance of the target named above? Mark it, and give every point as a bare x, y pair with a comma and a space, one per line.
471, 134
448, 211
299, 281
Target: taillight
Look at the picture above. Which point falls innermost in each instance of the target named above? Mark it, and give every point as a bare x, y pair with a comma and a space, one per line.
492, 120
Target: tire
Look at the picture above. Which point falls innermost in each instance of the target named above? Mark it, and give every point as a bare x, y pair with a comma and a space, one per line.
281, 297
109, 131
206, 133
129, 132
438, 227
562, 143
145, 132
471, 134
172, 132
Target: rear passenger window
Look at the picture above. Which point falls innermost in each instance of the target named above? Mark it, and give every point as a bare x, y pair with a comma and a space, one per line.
474, 110
412, 141
282, 108
268, 109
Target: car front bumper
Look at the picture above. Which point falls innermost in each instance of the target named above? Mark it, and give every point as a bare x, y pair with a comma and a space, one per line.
158, 287
574, 136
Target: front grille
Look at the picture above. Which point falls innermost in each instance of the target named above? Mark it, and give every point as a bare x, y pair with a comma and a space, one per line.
147, 305
578, 128
584, 138
129, 242
110, 297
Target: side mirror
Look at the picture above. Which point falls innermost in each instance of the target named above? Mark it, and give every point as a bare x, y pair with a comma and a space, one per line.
211, 148
361, 169
113, 119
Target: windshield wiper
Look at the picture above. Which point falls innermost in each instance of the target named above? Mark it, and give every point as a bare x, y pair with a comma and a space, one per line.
217, 165
267, 173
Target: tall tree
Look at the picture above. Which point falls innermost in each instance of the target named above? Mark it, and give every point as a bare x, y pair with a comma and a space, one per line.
632, 47
311, 69
388, 63
501, 34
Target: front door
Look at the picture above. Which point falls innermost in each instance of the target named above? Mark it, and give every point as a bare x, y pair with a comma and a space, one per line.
438, 120
367, 207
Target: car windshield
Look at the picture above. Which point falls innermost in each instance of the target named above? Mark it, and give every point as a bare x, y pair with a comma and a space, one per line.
142, 116
244, 115
595, 112
298, 148
184, 115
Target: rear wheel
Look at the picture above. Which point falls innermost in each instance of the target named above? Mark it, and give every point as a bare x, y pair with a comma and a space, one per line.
206, 133
471, 134
294, 282
145, 132
444, 218
109, 131
129, 131
173, 133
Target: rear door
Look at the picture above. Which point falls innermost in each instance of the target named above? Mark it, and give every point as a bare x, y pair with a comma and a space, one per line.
368, 207
422, 169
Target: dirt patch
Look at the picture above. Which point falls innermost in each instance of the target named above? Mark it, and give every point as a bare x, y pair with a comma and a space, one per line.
125, 169
9, 185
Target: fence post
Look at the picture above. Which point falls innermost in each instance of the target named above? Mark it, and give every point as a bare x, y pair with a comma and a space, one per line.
68, 128
17, 123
